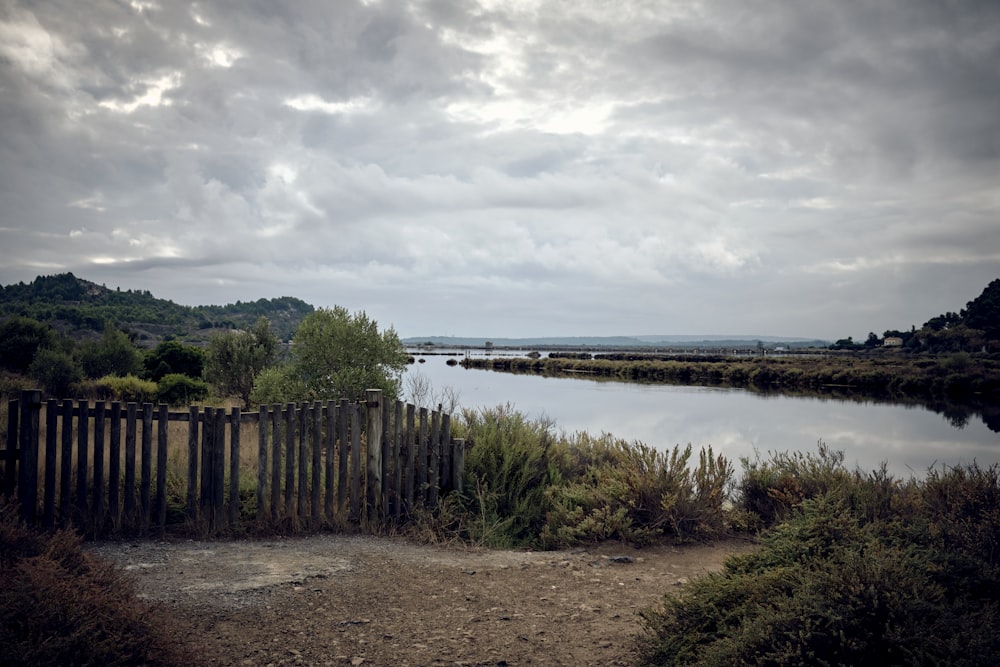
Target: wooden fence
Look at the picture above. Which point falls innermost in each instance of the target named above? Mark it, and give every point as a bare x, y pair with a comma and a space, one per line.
314, 464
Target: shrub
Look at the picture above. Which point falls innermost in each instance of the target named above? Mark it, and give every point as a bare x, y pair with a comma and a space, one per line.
56, 370
870, 572
508, 466
62, 606
177, 389
634, 492
127, 389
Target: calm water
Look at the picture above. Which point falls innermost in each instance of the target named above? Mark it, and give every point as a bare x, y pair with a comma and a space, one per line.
734, 422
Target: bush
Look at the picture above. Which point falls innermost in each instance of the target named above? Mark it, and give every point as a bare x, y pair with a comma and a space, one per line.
177, 389
62, 606
636, 493
57, 371
126, 389
871, 572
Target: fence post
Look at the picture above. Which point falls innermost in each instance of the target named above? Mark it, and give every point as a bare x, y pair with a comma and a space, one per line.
114, 466
51, 426
162, 425
234, 467
373, 403
82, 448
458, 465
66, 463
31, 406
100, 410
263, 477
13, 434
434, 460
146, 479
192, 486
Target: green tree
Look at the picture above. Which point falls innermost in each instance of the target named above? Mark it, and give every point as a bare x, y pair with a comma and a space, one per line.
236, 358
171, 357
339, 355
20, 340
113, 354
983, 312
56, 370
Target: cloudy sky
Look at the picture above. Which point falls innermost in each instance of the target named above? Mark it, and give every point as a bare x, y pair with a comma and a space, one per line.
512, 168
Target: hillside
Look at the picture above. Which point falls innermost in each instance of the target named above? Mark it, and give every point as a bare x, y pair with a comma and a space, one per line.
617, 342
81, 308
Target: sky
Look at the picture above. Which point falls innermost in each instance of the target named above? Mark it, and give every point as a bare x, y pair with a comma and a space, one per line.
512, 168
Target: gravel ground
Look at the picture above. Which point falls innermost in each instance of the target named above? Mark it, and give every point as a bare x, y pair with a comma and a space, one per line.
349, 600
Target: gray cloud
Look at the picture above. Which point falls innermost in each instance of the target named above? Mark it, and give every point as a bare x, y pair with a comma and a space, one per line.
526, 168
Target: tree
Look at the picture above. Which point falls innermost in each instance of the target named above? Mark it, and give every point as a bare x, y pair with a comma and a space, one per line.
339, 355
20, 340
56, 370
235, 358
983, 312
171, 357
113, 354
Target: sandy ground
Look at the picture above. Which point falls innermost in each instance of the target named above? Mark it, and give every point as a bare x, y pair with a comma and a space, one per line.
348, 600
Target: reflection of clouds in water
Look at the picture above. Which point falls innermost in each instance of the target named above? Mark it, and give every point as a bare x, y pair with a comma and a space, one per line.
735, 423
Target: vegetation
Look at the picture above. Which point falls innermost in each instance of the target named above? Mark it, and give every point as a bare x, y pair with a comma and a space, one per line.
235, 359
337, 355
863, 570
72, 304
62, 606
529, 487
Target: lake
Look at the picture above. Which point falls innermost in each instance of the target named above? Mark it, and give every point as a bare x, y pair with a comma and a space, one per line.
734, 422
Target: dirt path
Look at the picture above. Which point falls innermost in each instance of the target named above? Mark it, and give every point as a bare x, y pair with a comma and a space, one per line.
345, 600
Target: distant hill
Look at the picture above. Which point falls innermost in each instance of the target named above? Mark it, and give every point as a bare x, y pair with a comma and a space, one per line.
618, 341
79, 308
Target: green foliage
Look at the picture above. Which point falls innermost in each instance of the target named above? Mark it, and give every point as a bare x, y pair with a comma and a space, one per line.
983, 312
62, 606
171, 357
278, 384
236, 358
178, 389
128, 389
770, 488
870, 571
339, 355
56, 370
630, 491
85, 305
508, 466
113, 354
20, 339
529, 487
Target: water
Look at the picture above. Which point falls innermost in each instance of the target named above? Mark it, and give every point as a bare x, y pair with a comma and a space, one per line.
734, 422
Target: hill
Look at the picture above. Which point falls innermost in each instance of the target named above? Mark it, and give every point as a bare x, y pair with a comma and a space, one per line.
618, 342
81, 308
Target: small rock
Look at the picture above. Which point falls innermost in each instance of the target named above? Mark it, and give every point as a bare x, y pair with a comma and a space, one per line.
622, 559
357, 660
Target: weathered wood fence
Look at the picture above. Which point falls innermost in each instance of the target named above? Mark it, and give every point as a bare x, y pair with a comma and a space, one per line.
298, 466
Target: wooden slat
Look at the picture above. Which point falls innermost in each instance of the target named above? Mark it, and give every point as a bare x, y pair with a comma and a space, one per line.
82, 449
146, 479
411, 457
355, 488
342, 460
27, 492
234, 469
191, 501
66, 463
373, 468
303, 484
290, 447
130, 432
316, 436
276, 462
97, 502
114, 466
434, 460
51, 443
162, 433
263, 476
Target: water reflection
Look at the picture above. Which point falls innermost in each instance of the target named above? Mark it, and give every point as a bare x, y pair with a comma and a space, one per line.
910, 438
